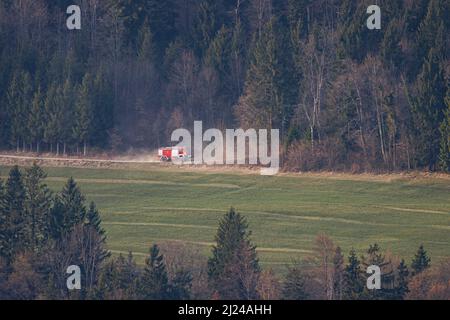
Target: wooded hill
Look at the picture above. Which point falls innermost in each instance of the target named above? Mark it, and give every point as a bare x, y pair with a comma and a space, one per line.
344, 97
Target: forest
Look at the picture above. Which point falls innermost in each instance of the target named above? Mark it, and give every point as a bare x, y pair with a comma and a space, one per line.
343, 97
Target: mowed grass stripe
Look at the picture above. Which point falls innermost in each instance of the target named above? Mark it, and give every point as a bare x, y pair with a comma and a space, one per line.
170, 225
294, 216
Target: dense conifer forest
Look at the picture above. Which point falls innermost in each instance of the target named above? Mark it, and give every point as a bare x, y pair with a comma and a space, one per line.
344, 97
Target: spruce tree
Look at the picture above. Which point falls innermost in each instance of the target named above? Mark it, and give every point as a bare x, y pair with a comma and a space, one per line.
15, 232
3, 221
37, 119
57, 221
19, 99
428, 110
354, 284
93, 219
180, 286
401, 288
146, 46
103, 113
155, 283
420, 262
162, 19
207, 24
68, 210
37, 206
428, 34
444, 152
294, 285
83, 113
232, 242
67, 114
269, 95
51, 110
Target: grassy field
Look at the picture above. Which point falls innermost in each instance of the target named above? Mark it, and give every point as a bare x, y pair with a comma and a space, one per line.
155, 204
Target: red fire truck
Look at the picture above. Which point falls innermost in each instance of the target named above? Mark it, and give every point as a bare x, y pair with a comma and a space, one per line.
169, 153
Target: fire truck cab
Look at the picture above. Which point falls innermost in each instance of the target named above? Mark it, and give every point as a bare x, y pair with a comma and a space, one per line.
169, 153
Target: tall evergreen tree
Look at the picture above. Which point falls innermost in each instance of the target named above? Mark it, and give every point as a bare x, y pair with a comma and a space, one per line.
37, 119
402, 281
103, 113
19, 99
37, 206
155, 282
294, 285
162, 18
420, 262
232, 242
428, 34
444, 151
84, 113
3, 222
14, 226
93, 219
51, 110
428, 110
68, 210
354, 284
268, 95
207, 24
67, 114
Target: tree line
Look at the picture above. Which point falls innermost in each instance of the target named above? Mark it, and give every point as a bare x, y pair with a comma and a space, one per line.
344, 97
42, 233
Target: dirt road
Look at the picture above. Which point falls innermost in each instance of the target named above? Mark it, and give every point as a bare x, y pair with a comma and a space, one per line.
25, 160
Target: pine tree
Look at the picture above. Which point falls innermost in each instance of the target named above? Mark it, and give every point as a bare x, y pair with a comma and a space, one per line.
444, 152
37, 206
51, 110
118, 279
146, 49
162, 18
218, 53
67, 114
428, 110
232, 242
19, 100
68, 210
206, 26
59, 110
103, 113
155, 282
428, 33
294, 285
401, 288
57, 219
180, 286
92, 226
3, 222
93, 219
37, 119
83, 113
420, 262
354, 285
268, 95
132, 13
13, 217
377, 258
390, 47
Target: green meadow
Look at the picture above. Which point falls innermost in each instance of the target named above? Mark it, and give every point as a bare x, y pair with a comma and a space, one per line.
154, 204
